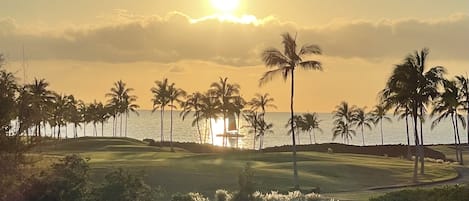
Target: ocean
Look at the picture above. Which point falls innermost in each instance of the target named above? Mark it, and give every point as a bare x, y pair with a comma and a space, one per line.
147, 125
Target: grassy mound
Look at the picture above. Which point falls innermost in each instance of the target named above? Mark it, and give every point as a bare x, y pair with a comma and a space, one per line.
453, 193
90, 144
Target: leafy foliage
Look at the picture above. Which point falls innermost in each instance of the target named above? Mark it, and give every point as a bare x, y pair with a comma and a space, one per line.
453, 193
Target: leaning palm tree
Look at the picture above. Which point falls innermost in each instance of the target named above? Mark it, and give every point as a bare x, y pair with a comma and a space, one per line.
447, 105
193, 104
311, 123
286, 64
160, 100
361, 120
175, 95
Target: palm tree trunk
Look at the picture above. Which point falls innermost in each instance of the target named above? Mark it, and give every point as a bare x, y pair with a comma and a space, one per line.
224, 127
66, 131
381, 128
310, 139
417, 142
459, 141
455, 138
126, 117
409, 154
58, 133
120, 127
238, 128
314, 136
84, 129
363, 137
161, 125
198, 128
292, 113
211, 132
171, 129
102, 128
255, 131
113, 125
422, 151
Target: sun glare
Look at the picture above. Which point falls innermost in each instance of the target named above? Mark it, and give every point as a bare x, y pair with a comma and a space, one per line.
225, 6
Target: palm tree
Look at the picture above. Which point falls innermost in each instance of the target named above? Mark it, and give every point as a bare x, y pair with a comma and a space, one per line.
463, 85
120, 99
210, 109
193, 103
226, 93
298, 124
103, 115
236, 108
361, 120
262, 102
253, 118
160, 100
286, 64
93, 114
311, 123
378, 114
263, 128
128, 106
42, 98
175, 95
85, 115
447, 105
411, 85
343, 118
404, 113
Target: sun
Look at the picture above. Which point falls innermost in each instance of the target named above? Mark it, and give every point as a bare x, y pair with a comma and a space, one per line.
225, 6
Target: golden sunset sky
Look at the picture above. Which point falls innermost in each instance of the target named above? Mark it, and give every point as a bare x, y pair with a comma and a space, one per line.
82, 47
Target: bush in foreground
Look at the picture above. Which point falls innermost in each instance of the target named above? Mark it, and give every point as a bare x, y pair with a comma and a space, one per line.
446, 193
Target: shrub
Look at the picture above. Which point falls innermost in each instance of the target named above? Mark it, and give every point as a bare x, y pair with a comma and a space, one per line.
291, 196
223, 195
453, 193
121, 185
189, 197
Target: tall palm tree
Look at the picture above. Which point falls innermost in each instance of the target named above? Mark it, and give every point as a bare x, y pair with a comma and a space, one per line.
378, 114
120, 99
311, 123
409, 84
286, 64
361, 120
404, 113
175, 95
160, 100
129, 106
226, 93
85, 115
102, 115
236, 108
193, 104
8, 92
447, 105
42, 98
463, 85
210, 109
343, 118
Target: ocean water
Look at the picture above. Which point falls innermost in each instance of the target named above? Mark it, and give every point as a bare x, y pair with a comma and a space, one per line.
147, 125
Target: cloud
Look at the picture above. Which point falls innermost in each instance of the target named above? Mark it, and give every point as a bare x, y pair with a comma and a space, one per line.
172, 38
176, 69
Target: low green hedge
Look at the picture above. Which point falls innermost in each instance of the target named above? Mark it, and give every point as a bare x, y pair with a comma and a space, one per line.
446, 193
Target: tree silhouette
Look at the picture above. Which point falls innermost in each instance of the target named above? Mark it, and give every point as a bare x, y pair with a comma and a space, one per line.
286, 64
378, 114
175, 95
310, 123
160, 100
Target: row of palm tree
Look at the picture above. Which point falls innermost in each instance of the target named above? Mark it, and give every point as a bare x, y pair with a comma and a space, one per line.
348, 118
308, 123
35, 106
412, 89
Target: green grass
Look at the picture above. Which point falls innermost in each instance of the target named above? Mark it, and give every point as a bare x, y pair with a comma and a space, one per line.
183, 171
450, 151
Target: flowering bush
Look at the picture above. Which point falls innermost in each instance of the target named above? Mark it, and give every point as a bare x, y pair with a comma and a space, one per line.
223, 195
